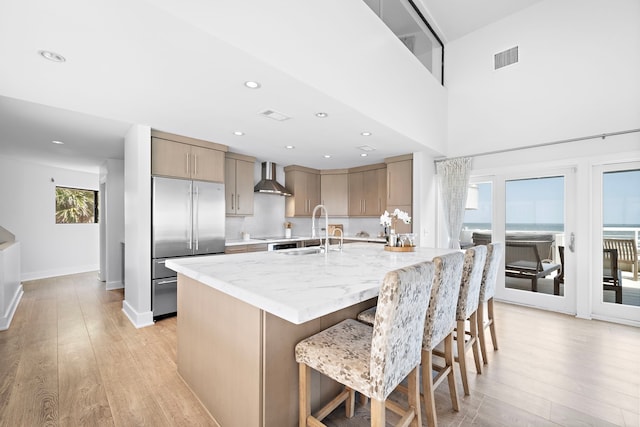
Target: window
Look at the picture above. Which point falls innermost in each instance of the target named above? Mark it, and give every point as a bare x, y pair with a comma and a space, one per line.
76, 206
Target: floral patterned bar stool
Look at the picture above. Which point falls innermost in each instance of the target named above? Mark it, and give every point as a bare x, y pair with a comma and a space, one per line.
487, 291
468, 302
372, 360
439, 325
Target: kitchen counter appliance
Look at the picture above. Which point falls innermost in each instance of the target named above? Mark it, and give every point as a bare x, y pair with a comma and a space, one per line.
188, 218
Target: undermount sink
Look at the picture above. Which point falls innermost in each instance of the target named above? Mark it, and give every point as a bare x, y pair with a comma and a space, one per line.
301, 251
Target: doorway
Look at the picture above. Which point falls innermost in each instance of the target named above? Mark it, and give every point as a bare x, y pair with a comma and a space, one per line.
615, 281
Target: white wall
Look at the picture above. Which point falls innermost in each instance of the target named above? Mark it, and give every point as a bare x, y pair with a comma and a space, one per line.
112, 176
137, 225
577, 76
333, 45
10, 287
28, 211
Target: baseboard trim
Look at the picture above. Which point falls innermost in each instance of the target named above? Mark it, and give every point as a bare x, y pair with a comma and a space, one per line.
117, 284
139, 320
5, 321
36, 275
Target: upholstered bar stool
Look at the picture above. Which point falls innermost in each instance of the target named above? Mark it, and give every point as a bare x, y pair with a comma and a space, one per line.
439, 325
468, 302
372, 360
487, 291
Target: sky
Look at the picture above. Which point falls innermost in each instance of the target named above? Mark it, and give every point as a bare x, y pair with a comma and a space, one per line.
541, 200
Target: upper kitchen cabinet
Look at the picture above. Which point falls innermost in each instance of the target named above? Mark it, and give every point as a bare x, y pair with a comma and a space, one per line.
182, 157
334, 191
367, 190
305, 185
400, 180
238, 179
400, 188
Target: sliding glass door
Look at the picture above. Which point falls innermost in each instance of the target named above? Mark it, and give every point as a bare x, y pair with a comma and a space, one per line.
535, 218
615, 283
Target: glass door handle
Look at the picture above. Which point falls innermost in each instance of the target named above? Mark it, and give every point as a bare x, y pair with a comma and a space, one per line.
572, 242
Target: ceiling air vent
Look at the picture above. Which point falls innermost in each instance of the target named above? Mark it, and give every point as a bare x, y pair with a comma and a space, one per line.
507, 57
272, 114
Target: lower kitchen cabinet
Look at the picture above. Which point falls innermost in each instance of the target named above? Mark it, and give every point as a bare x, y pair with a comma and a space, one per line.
240, 249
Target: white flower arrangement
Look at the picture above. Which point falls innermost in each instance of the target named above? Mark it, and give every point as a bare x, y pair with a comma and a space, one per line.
389, 220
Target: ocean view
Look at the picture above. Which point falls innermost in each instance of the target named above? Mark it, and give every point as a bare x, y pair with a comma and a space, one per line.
555, 228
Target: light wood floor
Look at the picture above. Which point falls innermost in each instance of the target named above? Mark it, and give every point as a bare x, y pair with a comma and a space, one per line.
71, 358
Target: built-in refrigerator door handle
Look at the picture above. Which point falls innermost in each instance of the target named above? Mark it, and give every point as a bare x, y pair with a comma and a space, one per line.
196, 209
190, 228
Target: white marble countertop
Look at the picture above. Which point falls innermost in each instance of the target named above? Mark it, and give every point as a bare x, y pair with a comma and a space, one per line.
299, 288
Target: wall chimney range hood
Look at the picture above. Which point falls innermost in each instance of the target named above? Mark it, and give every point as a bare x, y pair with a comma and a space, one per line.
268, 183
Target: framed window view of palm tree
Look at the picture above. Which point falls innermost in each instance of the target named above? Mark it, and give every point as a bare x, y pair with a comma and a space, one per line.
76, 206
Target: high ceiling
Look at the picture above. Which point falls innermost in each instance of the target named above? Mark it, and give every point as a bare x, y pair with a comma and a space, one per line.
165, 64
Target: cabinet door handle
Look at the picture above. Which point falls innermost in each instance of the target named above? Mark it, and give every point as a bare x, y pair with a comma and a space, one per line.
186, 166
233, 197
388, 185
238, 201
365, 206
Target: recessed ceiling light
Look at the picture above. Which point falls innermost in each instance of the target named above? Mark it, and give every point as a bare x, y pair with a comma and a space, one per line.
238, 133
327, 156
52, 56
321, 115
365, 133
363, 154
252, 85
57, 142
289, 147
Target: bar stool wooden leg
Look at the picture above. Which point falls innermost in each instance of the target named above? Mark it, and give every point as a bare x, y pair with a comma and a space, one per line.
304, 388
461, 356
427, 389
377, 413
414, 397
492, 324
449, 361
480, 326
473, 326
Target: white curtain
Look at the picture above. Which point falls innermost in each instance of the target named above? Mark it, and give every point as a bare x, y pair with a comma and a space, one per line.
453, 180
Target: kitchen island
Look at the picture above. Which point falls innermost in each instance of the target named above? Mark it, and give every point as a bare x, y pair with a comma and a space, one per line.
241, 315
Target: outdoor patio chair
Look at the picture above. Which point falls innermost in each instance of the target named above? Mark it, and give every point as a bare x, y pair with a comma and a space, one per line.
528, 264
611, 274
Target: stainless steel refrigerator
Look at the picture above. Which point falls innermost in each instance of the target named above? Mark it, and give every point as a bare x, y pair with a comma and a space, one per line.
188, 218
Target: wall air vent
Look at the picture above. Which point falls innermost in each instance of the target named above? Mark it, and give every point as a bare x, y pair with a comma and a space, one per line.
275, 115
507, 57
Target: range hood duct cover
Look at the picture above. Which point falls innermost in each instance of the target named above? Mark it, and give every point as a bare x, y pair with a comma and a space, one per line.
268, 183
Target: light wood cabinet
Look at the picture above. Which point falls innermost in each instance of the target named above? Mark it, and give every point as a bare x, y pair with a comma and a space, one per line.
400, 188
399, 181
305, 185
334, 191
238, 178
367, 190
182, 157
241, 249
